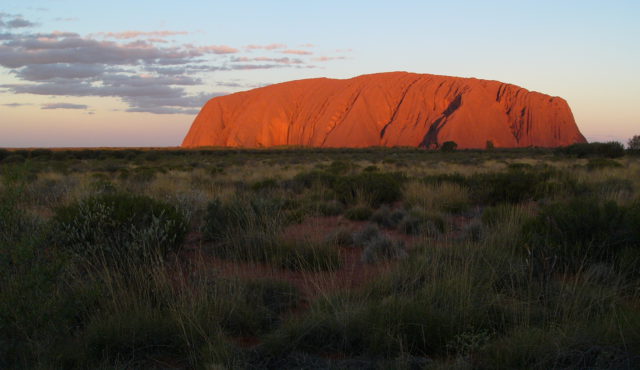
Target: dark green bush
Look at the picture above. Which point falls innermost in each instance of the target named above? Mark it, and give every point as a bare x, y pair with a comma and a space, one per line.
449, 146
13, 158
376, 187
383, 248
263, 185
600, 163
513, 186
330, 208
583, 230
358, 213
454, 178
308, 179
224, 219
612, 149
117, 226
385, 217
341, 167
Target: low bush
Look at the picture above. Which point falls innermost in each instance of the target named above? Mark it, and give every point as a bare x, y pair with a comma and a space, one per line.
513, 186
117, 226
383, 248
363, 236
385, 217
449, 146
341, 237
611, 149
600, 163
583, 230
228, 219
374, 187
331, 208
264, 185
359, 213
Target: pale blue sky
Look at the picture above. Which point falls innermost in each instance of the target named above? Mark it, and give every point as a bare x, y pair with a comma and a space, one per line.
585, 51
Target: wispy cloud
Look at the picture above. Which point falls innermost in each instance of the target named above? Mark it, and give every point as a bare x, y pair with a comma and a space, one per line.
284, 60
296, 52
15, 105
137, 34
64, 106
217, 49
144, 69
327, 59
14, 21
265, 47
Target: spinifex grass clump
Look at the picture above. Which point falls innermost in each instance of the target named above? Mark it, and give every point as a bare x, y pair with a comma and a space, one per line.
584, 230
512, 186
374, 187
250, 231
117, 226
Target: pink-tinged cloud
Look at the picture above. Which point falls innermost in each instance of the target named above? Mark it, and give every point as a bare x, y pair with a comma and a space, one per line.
327, 59
265, 47
217, 49
308, 46
135, 34
296, 52
284, 60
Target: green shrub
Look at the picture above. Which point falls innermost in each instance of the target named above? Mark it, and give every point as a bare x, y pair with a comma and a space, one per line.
449, 146
303, 255
266, 184
341, 167
359, 213
340, 237
600, 163
583, 230
331, 208
13, 158
513, 186
383, 248
363, 236
611, 149
385, 217
454, 178
224, 220
375, 187
117, 226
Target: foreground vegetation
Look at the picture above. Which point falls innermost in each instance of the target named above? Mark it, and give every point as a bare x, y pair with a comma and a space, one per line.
305, 258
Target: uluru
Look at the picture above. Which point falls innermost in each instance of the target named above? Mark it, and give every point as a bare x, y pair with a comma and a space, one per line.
385, 109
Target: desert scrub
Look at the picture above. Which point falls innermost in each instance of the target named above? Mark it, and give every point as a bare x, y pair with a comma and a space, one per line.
253, 218
439, 196
583, 230
383, 248
512, 186
374, 187
341, 237
388, 218
359, 213
117, 226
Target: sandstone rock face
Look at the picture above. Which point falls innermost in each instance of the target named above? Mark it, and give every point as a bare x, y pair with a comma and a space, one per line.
385, 109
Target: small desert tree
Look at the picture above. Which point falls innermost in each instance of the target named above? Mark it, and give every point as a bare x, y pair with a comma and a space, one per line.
489, 145
449, 146
634, 143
